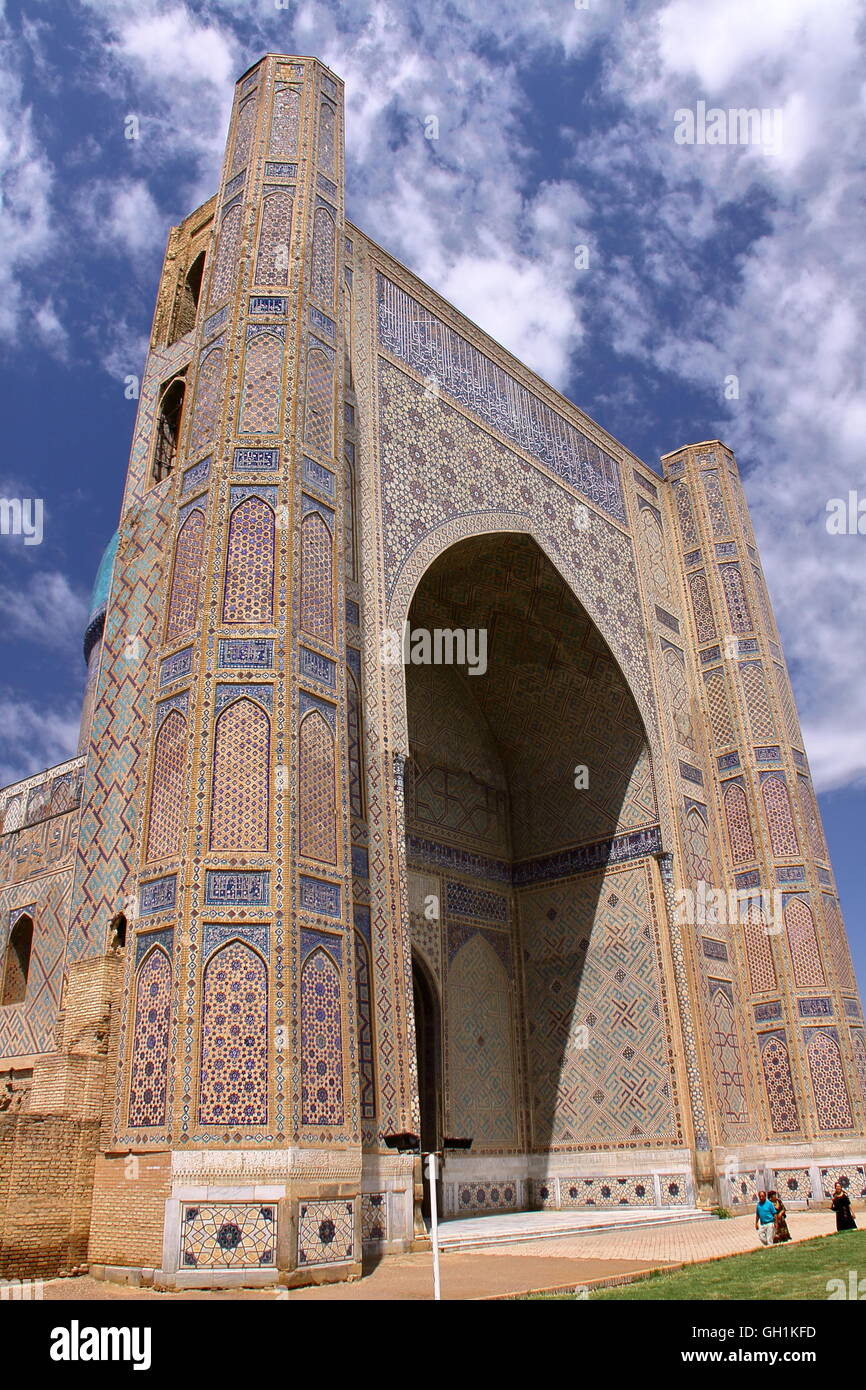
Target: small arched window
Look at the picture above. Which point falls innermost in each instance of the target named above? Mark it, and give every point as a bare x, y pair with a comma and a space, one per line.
189, 293
168, 428
16, 966
117, 933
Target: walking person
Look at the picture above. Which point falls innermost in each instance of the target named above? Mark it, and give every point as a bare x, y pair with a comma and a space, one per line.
841, 1204
780, 1225
765, 1219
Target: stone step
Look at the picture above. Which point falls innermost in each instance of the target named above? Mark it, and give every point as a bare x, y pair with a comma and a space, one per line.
475, 1233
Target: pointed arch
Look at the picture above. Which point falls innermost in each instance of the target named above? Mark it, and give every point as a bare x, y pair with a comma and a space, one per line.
701, 607
317, 578
832, 1101
240, 784
272, 263
759, 952
262, 390
225, 264
735, 598
324, 258
248, 593
321, 1040
481, 1090
233, 1072
186, 577
168, 427
738, 823
319, 413
780, 822
803, 943
317, 797
781, 1097
150, 1041
167, 814
16, 966
207, 400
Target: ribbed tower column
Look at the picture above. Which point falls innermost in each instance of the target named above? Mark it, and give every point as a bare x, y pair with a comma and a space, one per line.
803, 1013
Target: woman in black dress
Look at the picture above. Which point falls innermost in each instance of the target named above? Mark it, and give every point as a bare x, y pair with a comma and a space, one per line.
842, 1206
780, 1225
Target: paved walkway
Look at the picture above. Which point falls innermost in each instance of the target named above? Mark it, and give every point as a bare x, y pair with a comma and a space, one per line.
555, 1262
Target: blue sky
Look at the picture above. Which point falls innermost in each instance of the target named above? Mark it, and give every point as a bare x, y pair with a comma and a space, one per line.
555, 130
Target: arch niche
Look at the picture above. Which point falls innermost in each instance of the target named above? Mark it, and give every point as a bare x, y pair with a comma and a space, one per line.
531, 893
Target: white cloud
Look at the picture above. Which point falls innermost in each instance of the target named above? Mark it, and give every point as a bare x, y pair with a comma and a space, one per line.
34, 737
45, 610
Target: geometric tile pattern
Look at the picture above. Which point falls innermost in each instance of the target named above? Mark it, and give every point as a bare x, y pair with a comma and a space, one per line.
272, 266
434, 349
784, 1117
803, 943
828, 1080
612, 1081
285, 123
116, 753
167, 793
327, 148
207, 399
317, 563
238, 1235
680, 700
654, 550
364, 1010
720, 714
186, 577
319, 419
809, 812
715, 503
739, 828
838, 943
606, 1192
353, 722
374, 1217
852, 1177
249, 578
685, 514
759, 953
260, 404
486, 1196
225, 265
317, 796
324, 265
757, 701
724, 1041
243, 134
780, 822
793, 1184
735, 597
321, 1041
241, 778
150, 1042
326, 1232
233, 1083
703, 612
481, 1090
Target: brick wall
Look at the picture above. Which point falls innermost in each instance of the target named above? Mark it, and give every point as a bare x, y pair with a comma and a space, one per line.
46, 1187
128, 1209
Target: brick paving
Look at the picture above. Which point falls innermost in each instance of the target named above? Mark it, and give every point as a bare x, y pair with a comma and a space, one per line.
558, 1262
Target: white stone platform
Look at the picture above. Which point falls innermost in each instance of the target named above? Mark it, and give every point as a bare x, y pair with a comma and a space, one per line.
478, 1232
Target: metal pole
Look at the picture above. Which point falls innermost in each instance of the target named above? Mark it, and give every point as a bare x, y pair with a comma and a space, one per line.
432, 1165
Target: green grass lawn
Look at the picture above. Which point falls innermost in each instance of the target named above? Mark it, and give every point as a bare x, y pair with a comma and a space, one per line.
795, 1271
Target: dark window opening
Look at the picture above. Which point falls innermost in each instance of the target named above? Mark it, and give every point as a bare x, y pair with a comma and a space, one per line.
168, 428
189, 293
117, 933
17, 964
